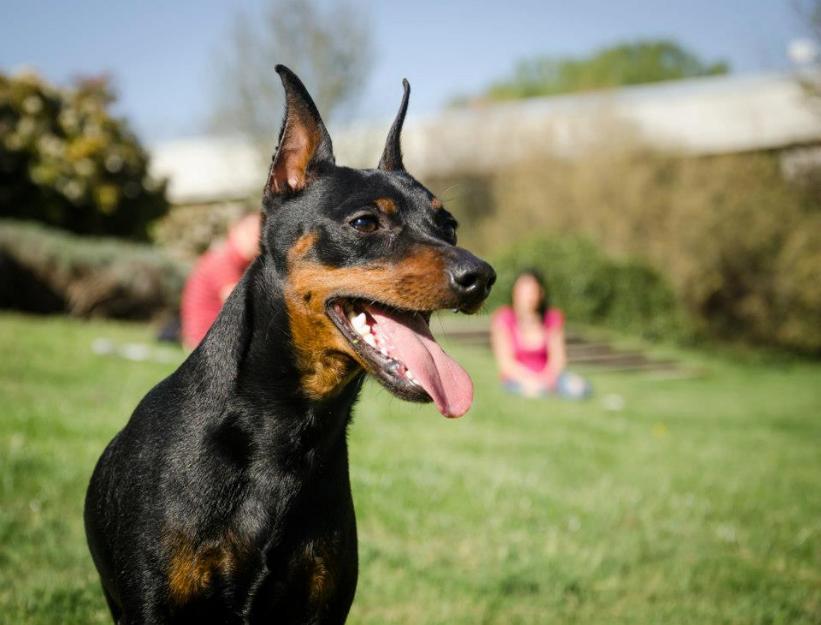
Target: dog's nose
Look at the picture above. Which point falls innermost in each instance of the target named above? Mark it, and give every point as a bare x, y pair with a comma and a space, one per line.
471, 279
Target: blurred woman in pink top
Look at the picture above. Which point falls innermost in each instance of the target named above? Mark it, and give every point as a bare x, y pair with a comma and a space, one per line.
529, 344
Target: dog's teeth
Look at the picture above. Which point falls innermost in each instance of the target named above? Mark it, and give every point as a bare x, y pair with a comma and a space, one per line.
383, 351
359, 322
369, 339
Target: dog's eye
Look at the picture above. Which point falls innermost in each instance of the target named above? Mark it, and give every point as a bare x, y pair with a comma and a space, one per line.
450, 234
365, 223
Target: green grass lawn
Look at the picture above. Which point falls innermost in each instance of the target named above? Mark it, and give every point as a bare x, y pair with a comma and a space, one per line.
697, 503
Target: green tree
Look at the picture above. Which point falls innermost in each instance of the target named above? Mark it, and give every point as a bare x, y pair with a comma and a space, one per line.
66, 161
623, 64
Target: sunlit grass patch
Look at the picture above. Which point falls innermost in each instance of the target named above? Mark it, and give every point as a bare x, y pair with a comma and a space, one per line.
695, 503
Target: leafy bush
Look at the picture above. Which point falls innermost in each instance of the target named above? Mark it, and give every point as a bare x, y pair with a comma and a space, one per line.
742, 246
46, 270
67, 162
591, 288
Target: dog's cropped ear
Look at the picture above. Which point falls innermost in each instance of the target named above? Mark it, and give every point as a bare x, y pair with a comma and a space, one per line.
304, 143
392, 155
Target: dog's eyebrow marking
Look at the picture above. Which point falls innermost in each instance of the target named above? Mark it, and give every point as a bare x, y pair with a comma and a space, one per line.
303, 244
436, 204
386, 205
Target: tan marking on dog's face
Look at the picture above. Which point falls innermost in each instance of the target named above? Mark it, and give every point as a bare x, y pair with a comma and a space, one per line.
325, 357
436, 204
303, 245
386, 205
191, 568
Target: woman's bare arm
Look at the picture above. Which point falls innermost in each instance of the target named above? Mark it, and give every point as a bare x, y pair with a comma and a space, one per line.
557, 354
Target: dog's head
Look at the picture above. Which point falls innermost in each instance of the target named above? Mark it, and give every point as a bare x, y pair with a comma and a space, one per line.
364, 257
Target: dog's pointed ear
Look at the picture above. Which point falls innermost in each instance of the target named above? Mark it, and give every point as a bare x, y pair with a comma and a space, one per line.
304, 142
392, 155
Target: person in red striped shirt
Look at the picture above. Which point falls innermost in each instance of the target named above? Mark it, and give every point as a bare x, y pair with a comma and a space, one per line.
214, 276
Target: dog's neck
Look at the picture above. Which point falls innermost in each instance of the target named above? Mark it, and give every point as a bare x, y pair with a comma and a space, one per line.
247, 359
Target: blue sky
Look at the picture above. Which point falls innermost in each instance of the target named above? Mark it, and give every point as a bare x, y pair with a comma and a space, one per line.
161, 52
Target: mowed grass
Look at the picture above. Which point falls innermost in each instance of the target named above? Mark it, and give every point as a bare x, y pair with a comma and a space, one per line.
698, 502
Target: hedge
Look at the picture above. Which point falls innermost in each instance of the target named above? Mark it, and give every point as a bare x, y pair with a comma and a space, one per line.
46, 270
593, 288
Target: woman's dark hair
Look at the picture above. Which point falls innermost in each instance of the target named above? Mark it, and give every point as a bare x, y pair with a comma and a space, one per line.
538, 276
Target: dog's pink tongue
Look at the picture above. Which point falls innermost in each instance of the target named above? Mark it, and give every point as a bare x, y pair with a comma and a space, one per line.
440, 375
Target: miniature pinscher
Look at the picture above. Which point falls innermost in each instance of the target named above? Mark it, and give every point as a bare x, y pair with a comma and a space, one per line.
226, 498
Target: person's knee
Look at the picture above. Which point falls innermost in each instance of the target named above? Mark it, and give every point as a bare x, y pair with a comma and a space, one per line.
572, 386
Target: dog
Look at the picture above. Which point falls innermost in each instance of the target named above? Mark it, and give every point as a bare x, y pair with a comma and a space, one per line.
226, 498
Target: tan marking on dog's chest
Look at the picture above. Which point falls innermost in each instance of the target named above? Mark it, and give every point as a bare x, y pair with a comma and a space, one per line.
192, 568
320, 583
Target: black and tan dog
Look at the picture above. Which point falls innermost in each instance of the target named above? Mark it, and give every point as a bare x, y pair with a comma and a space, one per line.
226, 498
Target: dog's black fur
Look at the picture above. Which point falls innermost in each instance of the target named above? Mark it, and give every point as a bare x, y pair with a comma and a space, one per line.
226, 498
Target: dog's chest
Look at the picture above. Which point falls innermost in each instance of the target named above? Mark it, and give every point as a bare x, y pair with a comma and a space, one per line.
308, 578
298, 583
306, 562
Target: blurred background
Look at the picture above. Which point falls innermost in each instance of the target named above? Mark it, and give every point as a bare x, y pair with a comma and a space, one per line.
660, 163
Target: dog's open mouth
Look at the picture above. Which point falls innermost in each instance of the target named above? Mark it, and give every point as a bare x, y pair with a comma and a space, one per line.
402, 354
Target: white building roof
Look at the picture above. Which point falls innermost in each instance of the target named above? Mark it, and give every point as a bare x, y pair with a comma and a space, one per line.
715, 115
202, 169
